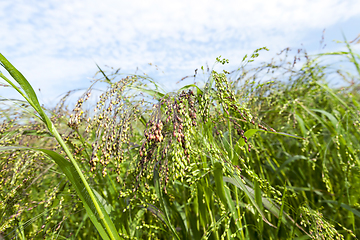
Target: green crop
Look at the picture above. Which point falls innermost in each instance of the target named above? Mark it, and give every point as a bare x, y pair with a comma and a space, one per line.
238, 158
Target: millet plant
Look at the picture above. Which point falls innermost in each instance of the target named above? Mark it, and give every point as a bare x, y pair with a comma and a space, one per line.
233, 159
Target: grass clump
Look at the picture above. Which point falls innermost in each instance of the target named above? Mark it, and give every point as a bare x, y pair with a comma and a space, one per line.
233, 159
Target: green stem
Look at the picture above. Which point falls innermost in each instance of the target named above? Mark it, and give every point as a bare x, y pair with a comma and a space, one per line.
230, 141
238, 212
108, 225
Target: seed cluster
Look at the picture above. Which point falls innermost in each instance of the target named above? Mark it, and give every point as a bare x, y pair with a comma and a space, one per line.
230, 105
153, 133
318, 226
111, 126
76, 118
167, 138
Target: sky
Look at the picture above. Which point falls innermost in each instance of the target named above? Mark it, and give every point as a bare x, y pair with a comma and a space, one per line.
57, 44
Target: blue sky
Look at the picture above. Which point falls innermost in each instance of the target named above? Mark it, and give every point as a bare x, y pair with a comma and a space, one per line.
55, 44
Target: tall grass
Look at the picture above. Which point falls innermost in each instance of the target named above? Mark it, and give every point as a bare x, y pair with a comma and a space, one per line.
234, 159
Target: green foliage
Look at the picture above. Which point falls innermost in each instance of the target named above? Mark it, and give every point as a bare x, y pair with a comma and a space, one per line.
234, 159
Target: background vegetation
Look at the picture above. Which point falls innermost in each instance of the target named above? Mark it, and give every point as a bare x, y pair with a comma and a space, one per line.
266, 152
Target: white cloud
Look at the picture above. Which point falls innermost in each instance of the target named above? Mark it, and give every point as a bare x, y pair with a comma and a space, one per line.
54, 42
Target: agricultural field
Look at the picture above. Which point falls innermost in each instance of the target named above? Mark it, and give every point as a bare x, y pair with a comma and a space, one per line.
265, 152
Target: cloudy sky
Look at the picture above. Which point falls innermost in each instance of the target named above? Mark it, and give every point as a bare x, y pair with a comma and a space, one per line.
55, 44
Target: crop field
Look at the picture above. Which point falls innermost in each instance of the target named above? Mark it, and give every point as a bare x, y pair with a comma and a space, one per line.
266, 151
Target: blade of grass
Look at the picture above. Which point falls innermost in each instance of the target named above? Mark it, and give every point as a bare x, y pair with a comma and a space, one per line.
251, 132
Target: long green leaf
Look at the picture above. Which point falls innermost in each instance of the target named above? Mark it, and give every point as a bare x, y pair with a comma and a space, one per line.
272, 207
29, 94
156, 94
251, 132
219, 183
250, 193
161, 197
